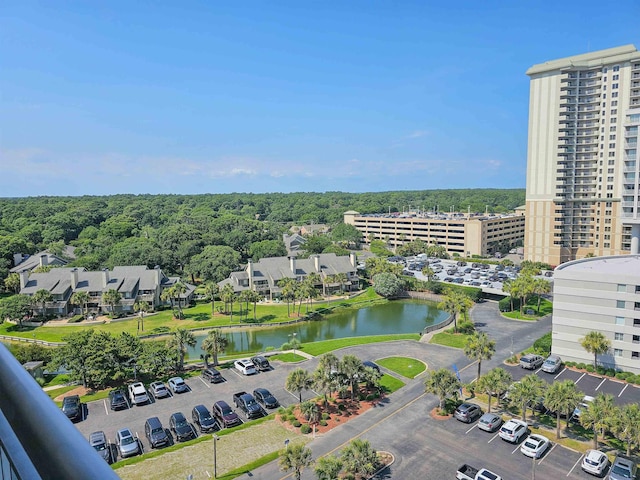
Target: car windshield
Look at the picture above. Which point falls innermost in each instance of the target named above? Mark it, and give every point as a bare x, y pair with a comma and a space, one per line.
157, 430
127, 440
529, 444
181, 423
620, 470
226, 410
100, 446
507, 431
591, 462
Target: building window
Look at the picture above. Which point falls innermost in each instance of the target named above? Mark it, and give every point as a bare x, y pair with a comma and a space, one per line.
607, 245
618, 336
616, 77
614, 94
619, 320
614, 86
614, 103
614, 111
616, 68
636, 339
635, 354
637, 288
617, 352
611, 162
612, 128
612, 137
636, 322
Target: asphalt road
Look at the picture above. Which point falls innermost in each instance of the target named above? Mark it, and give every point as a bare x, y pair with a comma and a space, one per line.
423, 447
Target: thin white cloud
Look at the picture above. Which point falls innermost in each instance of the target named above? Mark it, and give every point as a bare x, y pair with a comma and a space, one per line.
417, 134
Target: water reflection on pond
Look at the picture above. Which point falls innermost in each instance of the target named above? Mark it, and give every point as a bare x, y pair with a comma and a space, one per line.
400, 316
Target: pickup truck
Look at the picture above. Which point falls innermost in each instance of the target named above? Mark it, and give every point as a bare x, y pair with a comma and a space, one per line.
467, 472
245, 402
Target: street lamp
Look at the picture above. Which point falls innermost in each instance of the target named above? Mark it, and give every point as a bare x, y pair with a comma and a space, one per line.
215, 455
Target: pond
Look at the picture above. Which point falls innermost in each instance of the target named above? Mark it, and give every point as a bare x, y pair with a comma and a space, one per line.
400, 316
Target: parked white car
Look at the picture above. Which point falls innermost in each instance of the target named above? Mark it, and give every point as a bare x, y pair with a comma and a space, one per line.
535, 445
138, 394
245, 366
595, 462
513, 431
177, 385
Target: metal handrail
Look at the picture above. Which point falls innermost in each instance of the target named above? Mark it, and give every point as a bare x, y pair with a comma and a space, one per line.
53, 444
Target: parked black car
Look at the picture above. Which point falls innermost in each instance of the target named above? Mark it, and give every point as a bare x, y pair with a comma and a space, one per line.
117, 400
212, 375
261, 363
98, 440
265, 398
181, 428
72, 407
370, 364
155, 432
202, 417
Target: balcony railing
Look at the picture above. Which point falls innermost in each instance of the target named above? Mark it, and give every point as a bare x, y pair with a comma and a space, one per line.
37, 438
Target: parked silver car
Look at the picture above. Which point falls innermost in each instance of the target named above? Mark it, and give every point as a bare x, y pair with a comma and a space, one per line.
531, 361
128, 445
552, 364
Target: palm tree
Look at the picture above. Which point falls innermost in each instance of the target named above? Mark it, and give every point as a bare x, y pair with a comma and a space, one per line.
512, 289
442, 383
295, 457
167, 295
597, 344
12, 282
341, 278
297, 381
226, 294
323, 378
328, 468
540, 287
351, 366
40, 298
465, 304
310, 411
360, 458
428, 272
212, 289
528, 390
562, 397
111, 297
626, 425
288, 287
179, 341
597, 415
244, 297
479, 347
215, 343
450, 303
179, 289
80, 299
254, 297
141, 308
494, 382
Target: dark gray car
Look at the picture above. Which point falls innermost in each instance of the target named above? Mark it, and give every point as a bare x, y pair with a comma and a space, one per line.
98, 440
155, 433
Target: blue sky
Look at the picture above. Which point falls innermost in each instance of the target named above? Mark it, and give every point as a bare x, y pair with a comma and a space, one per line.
216, 97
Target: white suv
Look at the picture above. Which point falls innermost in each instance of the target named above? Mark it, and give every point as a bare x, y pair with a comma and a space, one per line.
513, 431
138, 394
246, 367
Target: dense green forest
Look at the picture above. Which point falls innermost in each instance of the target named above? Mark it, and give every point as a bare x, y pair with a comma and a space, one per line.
187, 234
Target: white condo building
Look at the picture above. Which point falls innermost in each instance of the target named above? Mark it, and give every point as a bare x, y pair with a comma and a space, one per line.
598, 294
583, 169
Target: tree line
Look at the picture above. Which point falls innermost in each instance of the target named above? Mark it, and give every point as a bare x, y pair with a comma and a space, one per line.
197, 234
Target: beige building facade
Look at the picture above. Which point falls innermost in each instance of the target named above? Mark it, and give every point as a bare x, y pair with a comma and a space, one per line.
461, 234
582, 159
603, 295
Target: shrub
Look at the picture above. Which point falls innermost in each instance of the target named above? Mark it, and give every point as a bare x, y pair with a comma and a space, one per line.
325, 416
323, 423
466, 327
76, 319
371, 396
342, 407
622, 375
269, 349
581, 366
296, 423
635, 379
570, 364
543, 344
610, 372
435, 287
601, 370
504, 305
589, 368
305, 428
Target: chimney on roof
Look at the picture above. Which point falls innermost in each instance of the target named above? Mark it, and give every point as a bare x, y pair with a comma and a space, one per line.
292, 264
44, 260
250, 273
18, 258
353, 259
105, 277
316, 262
24, 278
158, 274
74, 278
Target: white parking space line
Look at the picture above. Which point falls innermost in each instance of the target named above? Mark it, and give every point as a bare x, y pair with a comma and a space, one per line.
469, 430
581, 376
625, 387
292, 394
494, 437
548, 453
106, 410
561, 372
575, 465
603, 380
205, 383
516, 449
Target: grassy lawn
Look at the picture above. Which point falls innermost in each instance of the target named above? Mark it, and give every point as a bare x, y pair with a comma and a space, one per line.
195, 317
405, 366
287, 357
318, 348
60, 391
546, 308
390, 384
455, 340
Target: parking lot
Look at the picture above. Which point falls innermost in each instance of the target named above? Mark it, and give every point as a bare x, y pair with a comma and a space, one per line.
589, 384
98, 415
